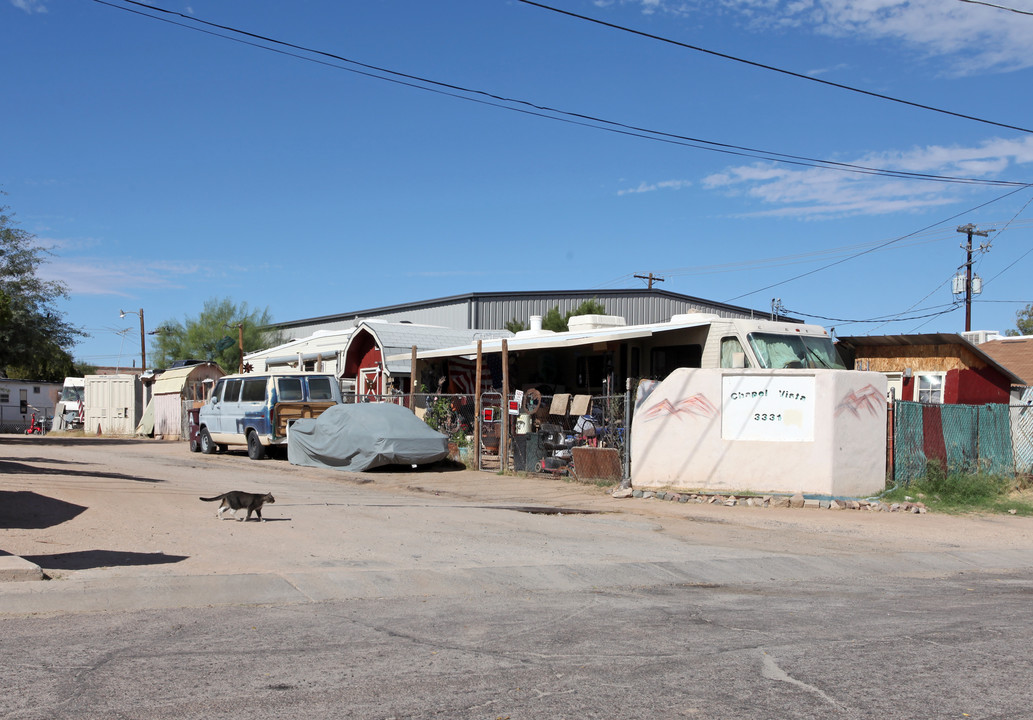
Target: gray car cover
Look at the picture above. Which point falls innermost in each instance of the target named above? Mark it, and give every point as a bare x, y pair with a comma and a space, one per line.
362, 436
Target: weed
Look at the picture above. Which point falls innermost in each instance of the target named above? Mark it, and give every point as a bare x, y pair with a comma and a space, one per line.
960, 492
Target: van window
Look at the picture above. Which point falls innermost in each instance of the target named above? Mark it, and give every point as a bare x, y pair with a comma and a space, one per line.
232, 392
319, 389
289, 389
254, 390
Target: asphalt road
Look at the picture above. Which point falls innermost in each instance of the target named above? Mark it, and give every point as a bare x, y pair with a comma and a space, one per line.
430, 595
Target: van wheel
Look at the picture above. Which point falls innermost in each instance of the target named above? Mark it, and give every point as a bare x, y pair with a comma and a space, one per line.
207, 446
255, 450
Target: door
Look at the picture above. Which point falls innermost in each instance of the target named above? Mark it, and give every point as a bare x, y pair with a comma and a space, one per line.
369, 384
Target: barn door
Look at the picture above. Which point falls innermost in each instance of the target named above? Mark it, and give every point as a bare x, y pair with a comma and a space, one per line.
369, 384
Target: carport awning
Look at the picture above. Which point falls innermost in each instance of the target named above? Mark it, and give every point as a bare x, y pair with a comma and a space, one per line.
555, 340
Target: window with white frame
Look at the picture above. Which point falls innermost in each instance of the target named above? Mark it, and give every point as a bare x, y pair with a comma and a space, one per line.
929, 387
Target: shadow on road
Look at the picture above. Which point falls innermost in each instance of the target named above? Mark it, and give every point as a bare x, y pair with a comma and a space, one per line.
87, 559
22, 468
26, 510
37, 440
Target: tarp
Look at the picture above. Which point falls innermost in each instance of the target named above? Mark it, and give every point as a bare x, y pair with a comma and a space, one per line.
362, 436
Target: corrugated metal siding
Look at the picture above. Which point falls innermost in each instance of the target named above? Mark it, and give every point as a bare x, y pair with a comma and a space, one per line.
482, 311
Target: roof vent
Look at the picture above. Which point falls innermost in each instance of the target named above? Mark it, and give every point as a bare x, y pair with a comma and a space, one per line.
536, 328
581, 323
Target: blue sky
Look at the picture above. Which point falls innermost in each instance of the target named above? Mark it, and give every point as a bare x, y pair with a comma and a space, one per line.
166, 166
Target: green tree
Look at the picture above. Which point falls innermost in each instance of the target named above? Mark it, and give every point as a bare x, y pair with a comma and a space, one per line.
34, 335
213, 335
515, 326
552, 320
1023, 322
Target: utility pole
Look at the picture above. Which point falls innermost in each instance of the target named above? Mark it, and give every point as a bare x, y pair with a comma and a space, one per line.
970, 230
651, 278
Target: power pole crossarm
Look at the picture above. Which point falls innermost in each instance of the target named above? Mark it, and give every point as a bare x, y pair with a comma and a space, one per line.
651, 278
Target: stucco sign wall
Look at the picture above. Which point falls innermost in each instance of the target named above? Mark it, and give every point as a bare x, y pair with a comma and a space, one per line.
767, 408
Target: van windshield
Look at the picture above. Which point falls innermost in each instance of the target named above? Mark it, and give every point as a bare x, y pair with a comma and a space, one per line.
778, 352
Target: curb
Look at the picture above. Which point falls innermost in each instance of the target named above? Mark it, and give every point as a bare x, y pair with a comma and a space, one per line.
16, 569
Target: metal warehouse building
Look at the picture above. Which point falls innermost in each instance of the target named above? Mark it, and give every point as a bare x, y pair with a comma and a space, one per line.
488, 311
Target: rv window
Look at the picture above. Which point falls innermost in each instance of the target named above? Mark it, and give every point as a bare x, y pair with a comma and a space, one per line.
289, 389
254, 390
232, 392
729, 347
794, 351
319, 389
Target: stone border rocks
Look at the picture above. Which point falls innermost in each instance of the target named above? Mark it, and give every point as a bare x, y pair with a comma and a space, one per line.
776, 501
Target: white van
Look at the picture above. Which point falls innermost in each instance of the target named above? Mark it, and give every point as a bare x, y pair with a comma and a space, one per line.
257, 409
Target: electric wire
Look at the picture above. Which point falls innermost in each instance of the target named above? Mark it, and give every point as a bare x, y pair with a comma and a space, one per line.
998, 7
878, 247
953, 306
545, 111
1006, 226
772, 68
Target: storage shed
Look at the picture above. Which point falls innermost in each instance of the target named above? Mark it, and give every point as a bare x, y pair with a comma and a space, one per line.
178, 390
937, 368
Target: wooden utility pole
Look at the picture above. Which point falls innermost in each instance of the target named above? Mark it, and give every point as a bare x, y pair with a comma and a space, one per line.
970, 229
651, 278
504, 442
143, 345
477, 410
412, 380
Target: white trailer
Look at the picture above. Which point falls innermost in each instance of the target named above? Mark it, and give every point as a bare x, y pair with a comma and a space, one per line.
113, 404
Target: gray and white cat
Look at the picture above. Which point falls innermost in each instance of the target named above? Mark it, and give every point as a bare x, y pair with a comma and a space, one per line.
238, 500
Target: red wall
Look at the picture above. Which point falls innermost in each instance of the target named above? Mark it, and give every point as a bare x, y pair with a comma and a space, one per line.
976, 387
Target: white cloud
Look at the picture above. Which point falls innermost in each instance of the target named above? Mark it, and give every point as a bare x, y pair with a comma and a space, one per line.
969, 38
653, 187
99, 276
30, 6
819, 193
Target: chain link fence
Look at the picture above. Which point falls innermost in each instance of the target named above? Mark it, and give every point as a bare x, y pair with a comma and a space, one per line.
12, 422
961, 438
1022, 433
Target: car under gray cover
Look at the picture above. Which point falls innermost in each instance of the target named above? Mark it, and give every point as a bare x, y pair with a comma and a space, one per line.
363, 436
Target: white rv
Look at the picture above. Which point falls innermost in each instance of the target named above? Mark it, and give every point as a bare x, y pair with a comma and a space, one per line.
68, 413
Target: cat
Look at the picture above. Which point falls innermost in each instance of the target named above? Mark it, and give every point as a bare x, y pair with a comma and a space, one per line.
237, 500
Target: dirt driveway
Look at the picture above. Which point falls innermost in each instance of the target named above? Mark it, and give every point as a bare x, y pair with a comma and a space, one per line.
100, 507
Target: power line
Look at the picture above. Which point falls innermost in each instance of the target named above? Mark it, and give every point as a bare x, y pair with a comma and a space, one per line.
543, 111
772, 68
950, 309
999, 7
878, 247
